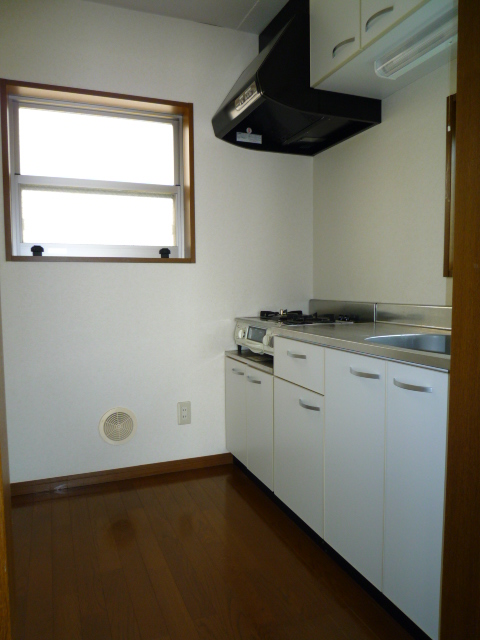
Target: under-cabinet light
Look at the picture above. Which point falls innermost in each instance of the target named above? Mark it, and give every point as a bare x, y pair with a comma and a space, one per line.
428, 42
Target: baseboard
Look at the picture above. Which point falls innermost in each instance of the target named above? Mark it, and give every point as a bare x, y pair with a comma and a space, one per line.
114, 475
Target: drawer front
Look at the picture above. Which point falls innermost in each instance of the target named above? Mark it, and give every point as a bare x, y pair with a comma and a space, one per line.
300, 363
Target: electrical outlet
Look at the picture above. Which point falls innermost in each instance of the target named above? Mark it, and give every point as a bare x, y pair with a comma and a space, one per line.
184, 412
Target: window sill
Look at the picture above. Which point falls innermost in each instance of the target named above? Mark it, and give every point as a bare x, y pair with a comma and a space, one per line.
92, 259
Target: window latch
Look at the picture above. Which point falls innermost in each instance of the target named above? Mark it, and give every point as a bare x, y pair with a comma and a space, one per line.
164, 253
37, 250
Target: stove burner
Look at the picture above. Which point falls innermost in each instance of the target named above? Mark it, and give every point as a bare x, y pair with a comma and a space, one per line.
299, 318
281, 313
306, 319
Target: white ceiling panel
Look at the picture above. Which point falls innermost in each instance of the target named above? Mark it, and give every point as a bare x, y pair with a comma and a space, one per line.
243, 15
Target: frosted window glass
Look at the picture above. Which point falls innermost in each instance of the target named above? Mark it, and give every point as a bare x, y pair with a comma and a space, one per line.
74, 217
63, 144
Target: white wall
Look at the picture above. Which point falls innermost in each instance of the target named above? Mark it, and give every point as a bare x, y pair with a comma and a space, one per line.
80, 339
379, 203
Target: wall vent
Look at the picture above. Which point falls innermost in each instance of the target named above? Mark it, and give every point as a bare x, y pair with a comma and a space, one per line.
118, 425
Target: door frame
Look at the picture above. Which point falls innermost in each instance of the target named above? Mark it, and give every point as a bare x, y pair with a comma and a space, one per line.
460, 612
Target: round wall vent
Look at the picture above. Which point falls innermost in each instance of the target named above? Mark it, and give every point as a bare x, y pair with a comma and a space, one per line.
118, 425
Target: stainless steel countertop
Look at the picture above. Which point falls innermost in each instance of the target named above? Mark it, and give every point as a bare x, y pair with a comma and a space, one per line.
351, 337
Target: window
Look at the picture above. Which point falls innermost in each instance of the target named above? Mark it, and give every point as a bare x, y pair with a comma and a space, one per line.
95, 176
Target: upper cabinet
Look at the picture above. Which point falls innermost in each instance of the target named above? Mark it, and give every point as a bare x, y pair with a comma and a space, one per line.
347, 37
334, 35
340, 29
379, 16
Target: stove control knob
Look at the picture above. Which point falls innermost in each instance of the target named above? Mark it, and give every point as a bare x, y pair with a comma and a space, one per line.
240, 334
268, 339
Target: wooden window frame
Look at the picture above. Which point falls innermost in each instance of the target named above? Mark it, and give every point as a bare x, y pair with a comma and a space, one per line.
103, 99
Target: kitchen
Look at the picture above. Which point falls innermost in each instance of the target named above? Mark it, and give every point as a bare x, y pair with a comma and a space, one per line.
70, 354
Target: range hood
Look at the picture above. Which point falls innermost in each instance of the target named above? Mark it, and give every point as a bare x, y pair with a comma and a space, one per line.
271, 107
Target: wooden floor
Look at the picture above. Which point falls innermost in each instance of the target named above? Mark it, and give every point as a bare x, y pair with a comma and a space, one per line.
199, 554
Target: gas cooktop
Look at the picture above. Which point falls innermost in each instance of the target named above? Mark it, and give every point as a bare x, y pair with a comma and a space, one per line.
292, 318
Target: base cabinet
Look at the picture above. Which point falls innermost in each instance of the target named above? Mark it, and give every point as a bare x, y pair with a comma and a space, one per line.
236, 409
298, 451
259, 387
414, 491
364, 466
354, 459
249, 418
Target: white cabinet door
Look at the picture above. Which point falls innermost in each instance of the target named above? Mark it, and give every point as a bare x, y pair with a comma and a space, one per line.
334, 35
300, 363
235, 409
260, 425
379, 16
354, 459
298, 451
414, 491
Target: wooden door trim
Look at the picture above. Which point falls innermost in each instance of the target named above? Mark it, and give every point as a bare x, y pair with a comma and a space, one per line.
460, 614
6, 540
6, 555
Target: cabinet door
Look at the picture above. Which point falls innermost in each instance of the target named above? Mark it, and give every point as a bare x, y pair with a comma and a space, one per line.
354, 459
298, 451
300, 363
379, 16
334, 35
235, 409
414, 491
260, 425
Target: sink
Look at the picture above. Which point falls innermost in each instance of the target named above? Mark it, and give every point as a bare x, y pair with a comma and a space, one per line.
436, 342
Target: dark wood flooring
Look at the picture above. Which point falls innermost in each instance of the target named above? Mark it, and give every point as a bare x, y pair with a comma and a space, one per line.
194, 555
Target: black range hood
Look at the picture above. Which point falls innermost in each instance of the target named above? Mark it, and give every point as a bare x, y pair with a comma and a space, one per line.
272, 107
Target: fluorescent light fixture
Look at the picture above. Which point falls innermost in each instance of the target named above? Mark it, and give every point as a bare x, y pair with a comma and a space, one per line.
428, 42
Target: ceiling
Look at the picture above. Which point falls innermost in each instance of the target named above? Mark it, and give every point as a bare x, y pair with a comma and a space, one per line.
243, 15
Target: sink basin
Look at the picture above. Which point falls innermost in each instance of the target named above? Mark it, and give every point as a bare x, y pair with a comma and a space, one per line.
436, 342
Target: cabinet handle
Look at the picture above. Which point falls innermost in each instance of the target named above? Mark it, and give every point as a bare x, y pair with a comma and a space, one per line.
364, 374
296, 355
254, 380
310, 407
238, 372
341, 44
412, 387
379, 14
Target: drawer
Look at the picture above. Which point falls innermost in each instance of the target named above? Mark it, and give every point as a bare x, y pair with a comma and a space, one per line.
300, 363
